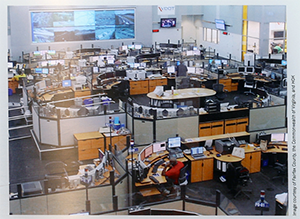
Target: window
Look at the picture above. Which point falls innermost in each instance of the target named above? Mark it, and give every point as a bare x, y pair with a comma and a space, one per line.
211, 35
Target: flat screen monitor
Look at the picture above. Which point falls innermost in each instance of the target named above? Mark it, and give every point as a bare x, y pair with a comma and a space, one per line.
124, 47
120, 73
142, 155
148, 151
10, 65
224, 61
51, 52
191, 70
174, 142
217, 62
100, 154
220, 24
171, 69
283, 62
110, 61
278, 137
136, 65
66, 83
195, 48
197, 150
138, 46
159, 146
45, 71
95, 69
38, 70
178, 63
130, 46
167, 22
37, 53
273, 75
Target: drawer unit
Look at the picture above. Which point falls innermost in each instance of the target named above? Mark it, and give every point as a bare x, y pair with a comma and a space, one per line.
230, 126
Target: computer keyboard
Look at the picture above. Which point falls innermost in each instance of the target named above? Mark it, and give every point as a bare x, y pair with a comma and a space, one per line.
153, 179
278, 142
179, 155
157, 164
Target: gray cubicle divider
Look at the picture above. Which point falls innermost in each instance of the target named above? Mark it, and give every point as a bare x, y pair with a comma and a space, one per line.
70, 126
49, 131
35, 122
143, 131
185, 127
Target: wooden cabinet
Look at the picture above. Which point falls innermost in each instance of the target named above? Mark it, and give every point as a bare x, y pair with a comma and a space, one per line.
202, 170
211, 128
227, 84
230, 126
138, 87
88, 144
241, 124
156, 82
217, 127
205, 129
252, 161
234, 85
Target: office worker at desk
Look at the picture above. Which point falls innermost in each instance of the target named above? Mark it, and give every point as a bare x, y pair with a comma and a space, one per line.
172, 172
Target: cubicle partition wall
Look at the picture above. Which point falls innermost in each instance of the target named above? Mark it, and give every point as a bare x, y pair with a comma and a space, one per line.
185, 127
55, 131
268, 119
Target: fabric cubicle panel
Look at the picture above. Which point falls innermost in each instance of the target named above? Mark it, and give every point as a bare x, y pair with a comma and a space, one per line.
49, 131
70, 126
143, 132
35, 123
186, 127
266, 118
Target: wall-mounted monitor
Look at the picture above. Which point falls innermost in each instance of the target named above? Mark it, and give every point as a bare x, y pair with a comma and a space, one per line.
82, 25
220, 24
167, 22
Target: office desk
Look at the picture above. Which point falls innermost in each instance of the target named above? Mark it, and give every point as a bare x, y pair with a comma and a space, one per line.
154, 157
181, 94
277, 149
47, 96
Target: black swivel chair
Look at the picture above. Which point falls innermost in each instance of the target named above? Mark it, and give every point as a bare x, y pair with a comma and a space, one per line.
56, 175
121, 91
185, 83
281, 172
249, 83
237, 177
220, 93
182, 177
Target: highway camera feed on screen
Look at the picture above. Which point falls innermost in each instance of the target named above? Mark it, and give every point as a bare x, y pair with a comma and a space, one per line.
81, 25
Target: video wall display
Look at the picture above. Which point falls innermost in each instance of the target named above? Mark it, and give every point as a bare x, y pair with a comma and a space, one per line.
80, 25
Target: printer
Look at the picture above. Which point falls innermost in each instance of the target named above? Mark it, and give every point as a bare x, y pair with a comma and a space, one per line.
224, 146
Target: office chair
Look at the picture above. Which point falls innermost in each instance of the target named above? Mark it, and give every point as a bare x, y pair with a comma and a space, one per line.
56, 175
182, 177
220, 94
281, 172
249, 83
184, 83
237, 176
121, 91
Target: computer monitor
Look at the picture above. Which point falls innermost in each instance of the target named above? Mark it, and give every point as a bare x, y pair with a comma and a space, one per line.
51, 52
191, 70
130, 46
10, 65
159, 146
142, 155
45, 71
95, 69
138, 46
110, 61
66, 83
124, 47
197, 150
171, 69
100, 154
148, 151
38, 70
278, 137
174, 142
286, 136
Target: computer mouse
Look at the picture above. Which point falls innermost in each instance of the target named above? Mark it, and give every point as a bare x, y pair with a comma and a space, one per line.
218, 155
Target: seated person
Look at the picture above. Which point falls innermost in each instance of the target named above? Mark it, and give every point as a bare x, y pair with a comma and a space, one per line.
172, 172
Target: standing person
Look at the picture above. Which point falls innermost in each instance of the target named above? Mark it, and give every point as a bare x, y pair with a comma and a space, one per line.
181, 73
202, 49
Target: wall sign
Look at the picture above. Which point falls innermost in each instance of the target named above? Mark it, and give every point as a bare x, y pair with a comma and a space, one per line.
166, 10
